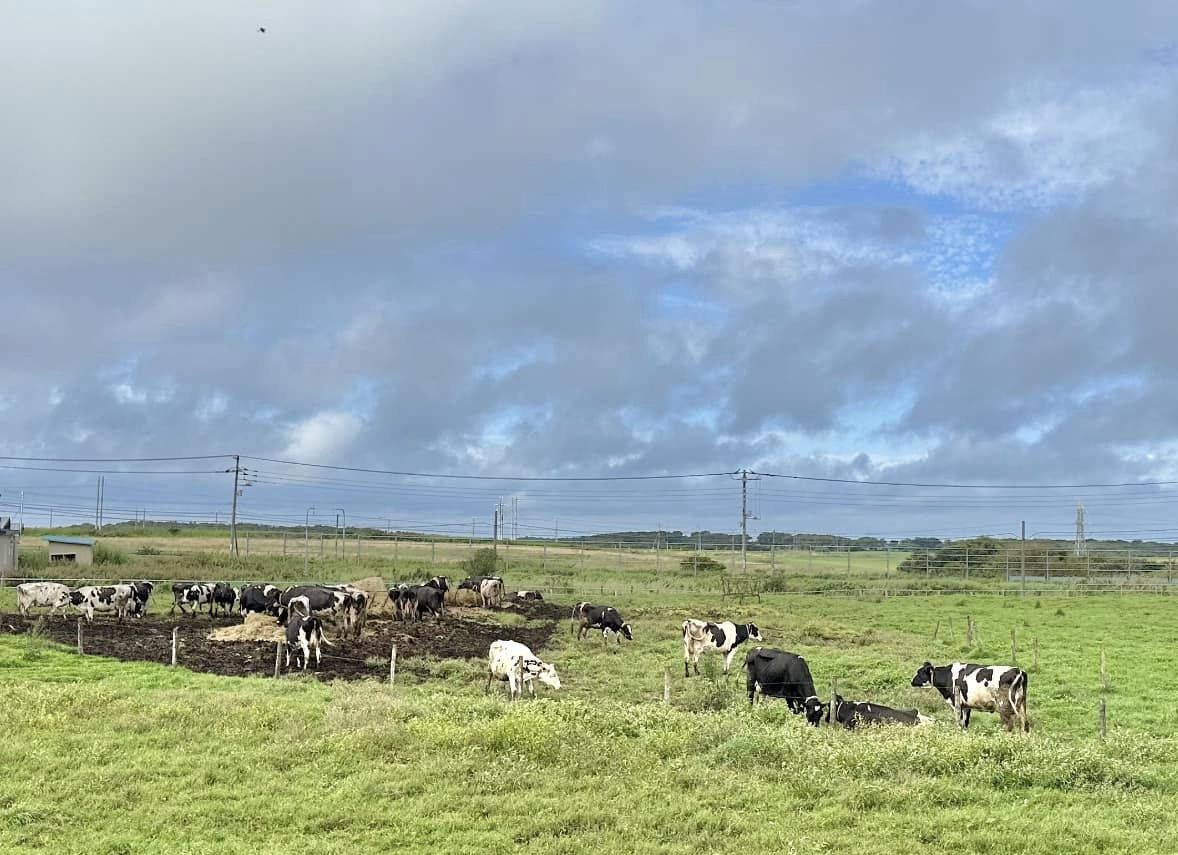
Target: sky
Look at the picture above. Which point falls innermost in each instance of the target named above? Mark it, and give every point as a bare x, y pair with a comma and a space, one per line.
870, 241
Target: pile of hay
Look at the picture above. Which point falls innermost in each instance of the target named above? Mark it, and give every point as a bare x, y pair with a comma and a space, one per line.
462, 597
256, 628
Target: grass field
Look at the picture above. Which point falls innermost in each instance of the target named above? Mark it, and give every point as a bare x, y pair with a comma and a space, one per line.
109, 757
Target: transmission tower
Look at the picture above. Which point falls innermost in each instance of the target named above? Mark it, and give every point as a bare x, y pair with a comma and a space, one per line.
1081, 539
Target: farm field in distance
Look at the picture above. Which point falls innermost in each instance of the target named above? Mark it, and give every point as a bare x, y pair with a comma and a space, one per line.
225, 764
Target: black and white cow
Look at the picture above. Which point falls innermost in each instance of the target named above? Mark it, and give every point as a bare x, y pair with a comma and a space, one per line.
441, 583
605, 618
700, 636
52, 594
355, 609
529, 595
193, 594
304, 635
779, 674
140, 595
399, 595
223, 597
258, 599
852, 714
491, 592
965, 687
106, 598
312, 601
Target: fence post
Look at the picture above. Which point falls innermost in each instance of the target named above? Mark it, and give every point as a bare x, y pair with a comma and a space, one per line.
247, 542
1103, 673
284, 543
393, 664
848, 561
969, 632
926, 562
321, 546
1047, 563
1103, 725
544, 558
831, 713
888, 572
175, 643
1035, 660
666, 685
433, 551
277, 659
357, 547
966, 563
80, 651
1013, 647
937, 629
395, 539
773, 557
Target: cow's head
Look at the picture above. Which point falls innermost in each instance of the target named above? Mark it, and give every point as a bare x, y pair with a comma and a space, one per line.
924, 676
754, 633
814, 709
545, 672
627, 632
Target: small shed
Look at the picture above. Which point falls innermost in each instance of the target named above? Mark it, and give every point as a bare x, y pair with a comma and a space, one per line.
70, 550
9, 546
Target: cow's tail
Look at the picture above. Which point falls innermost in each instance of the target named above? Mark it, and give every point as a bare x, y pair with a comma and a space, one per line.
1018, 699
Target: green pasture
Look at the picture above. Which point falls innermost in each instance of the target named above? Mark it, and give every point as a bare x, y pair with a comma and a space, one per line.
107, 757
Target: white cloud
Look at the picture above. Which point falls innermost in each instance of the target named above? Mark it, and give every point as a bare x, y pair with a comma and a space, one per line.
323, 437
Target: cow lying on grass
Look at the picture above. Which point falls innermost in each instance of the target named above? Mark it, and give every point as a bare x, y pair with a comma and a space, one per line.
851, 714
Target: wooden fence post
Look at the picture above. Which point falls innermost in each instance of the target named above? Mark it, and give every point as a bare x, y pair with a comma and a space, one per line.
1103, 672
278, 658
175, 643
393, 665
284, 543
969, 632
936, 629
666, 685
80, 651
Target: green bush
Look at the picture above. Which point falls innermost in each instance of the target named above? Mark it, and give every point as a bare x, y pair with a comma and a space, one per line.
700, 564
33, 559
147, 550
484, 562
104, 554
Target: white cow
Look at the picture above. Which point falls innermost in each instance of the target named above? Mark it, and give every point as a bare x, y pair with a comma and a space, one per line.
518, 666
52, 594
491, 591
700, 636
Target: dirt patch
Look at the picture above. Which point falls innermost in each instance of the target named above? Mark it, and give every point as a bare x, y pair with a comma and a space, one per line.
458, 636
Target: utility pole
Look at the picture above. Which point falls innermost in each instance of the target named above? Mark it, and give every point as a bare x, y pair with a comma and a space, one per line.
233, 511
1081, 539
745, 516
1023, 559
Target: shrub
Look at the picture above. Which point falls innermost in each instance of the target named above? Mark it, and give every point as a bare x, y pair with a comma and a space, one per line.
33, 559
701, 564
104, 554
147, 550
484, 562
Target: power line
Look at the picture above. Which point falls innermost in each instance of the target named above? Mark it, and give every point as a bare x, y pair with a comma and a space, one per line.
969, 486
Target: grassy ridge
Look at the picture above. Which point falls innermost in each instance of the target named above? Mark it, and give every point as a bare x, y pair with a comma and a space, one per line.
208, 764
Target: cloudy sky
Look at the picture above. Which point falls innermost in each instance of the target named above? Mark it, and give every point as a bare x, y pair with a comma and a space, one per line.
921, 243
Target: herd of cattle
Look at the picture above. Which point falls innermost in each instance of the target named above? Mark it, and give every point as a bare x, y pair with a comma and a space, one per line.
302, 609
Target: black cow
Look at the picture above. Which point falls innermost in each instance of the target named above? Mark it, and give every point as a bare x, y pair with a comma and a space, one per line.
311, 600
965, 687
851, 714
258, 599
140, 594
428, 599
441, 583
224, 596
605, 618
779, 674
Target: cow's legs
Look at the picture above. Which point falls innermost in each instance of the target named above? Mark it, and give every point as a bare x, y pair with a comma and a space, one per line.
487, 687
728, 659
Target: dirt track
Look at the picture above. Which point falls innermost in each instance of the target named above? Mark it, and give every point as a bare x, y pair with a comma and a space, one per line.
462, 634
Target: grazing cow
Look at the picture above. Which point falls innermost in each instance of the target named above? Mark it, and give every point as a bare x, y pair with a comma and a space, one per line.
140, 594
700, 636
108, 598
851, 714
313, 600
303, 635
194, 594
223, 597
258, 599
428, 599
53, 594
518, 666
529, 595
990, 688
491, 592
779, 674
605, 618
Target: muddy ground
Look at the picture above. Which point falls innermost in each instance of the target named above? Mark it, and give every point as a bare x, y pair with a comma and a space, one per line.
462, 634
